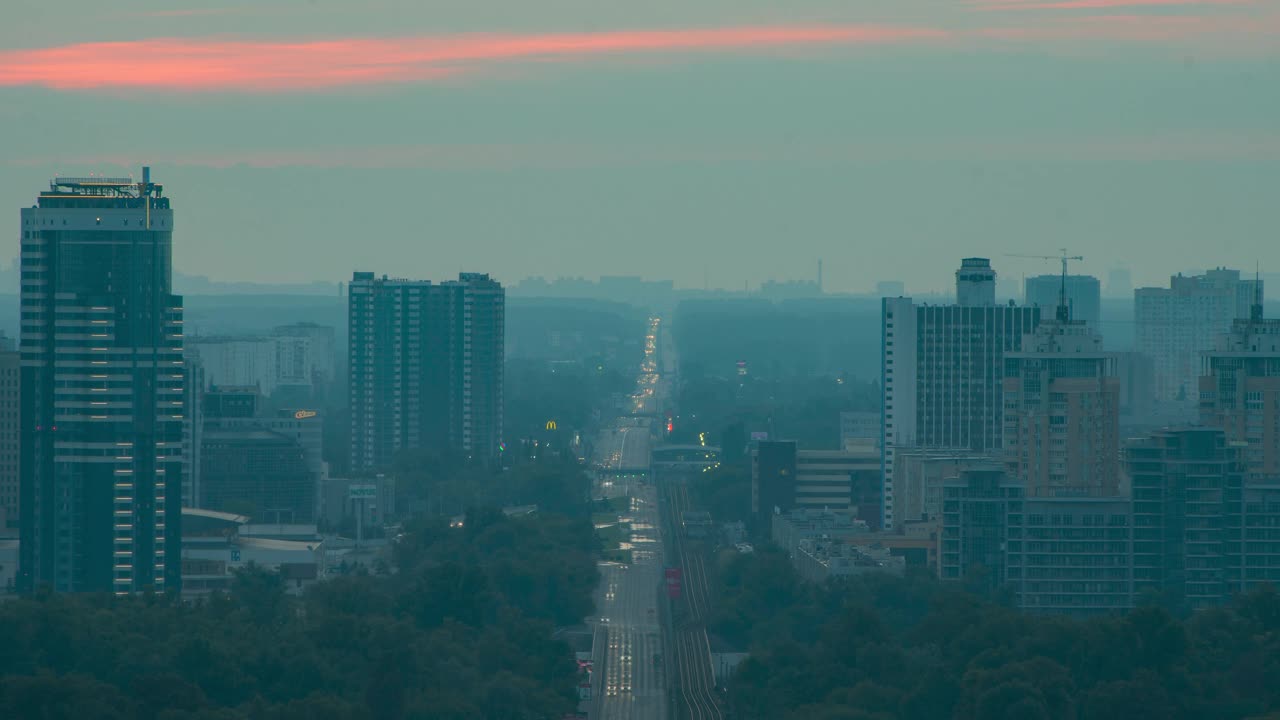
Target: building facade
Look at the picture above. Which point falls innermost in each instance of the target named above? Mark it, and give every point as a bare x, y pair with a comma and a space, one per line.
919, 475
1084, 296
785, 478
1188, 487
942, 374
773, 477
267, 466
1240, 392
1192, 533
975, 283
1062, 412
103, 378
840, 480
426, 368
860, 429
1176, 325
10, 436
237, 361
1054, 555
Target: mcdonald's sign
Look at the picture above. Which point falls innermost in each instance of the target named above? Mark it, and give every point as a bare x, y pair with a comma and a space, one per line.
551, 424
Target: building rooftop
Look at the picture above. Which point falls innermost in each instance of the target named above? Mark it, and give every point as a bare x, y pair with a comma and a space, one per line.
215, 515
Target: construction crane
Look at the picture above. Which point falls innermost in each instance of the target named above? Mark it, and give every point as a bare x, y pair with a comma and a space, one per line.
1064, 312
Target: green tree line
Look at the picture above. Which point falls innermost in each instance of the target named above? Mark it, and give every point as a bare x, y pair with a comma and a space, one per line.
462, 627
877, 647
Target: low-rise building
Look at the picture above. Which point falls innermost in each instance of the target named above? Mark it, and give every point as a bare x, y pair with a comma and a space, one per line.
791, 528
819, 560
785, 478
216, 544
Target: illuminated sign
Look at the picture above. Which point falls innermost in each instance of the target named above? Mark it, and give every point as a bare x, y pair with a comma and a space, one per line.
362, 492
304, 414
551, 424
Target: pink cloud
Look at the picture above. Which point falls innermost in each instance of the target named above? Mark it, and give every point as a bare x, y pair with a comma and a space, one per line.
247, 65
996, 5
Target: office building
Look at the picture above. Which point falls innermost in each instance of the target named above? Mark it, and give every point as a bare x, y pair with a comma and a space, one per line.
1084, 296
942, 371
426, 368
1176, 325
1062, 412
256, 472
787, 478
1187, 487
266, 466
840, 480
1240, 392
10, 435
773, 477
103, 386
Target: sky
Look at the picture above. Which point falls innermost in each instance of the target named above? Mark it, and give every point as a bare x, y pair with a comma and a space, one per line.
720, 141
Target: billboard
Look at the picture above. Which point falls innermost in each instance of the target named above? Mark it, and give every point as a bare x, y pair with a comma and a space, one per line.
362, 492
673, 577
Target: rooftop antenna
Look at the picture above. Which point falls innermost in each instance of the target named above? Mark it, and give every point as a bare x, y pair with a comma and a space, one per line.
1255, 312
1064, 310
145, 191
819, 276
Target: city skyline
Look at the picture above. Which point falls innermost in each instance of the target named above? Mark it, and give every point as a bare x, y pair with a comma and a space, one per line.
616, 138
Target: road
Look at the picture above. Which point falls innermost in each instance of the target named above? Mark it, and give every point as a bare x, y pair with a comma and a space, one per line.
630, 676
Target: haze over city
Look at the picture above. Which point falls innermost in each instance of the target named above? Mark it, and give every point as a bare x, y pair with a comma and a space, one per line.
716, 142
581, 360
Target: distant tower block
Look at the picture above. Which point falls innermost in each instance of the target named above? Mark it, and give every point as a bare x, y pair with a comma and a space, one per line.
975, 283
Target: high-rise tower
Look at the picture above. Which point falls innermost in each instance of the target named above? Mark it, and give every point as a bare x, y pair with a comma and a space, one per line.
1062, 411
942, 371
1175, 326
426, 367
103, 380
975, 283
1240, 391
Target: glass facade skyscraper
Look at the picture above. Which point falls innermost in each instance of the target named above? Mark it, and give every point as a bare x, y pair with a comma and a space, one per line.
103, 379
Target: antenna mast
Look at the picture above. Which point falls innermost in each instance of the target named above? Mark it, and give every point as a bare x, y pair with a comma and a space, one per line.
1064, 310
1255, 312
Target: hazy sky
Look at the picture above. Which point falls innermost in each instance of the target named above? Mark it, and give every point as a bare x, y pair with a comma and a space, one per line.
300, 140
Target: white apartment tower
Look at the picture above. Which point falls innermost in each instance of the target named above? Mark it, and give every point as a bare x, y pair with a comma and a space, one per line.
1176, 325
942, 370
